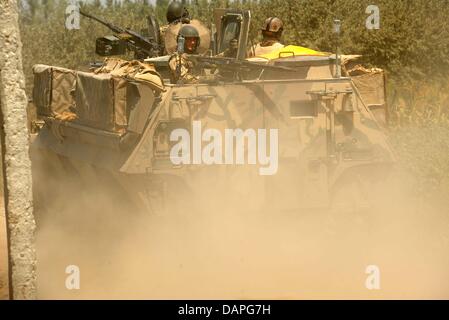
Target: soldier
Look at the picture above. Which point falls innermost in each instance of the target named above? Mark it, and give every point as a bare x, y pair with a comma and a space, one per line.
231, 51
182, 69
271, 33
176, 13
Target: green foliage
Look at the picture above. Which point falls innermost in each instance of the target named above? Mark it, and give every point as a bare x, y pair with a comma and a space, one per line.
419, 121
412, 42
423, 151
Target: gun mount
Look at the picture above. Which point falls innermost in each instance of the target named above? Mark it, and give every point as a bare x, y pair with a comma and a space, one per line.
124, 39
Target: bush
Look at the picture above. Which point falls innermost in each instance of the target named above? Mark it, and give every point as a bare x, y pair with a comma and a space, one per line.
412, 42
419, 118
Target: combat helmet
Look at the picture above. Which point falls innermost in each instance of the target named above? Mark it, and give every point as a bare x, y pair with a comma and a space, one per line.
272, 28
176, 11
191, 36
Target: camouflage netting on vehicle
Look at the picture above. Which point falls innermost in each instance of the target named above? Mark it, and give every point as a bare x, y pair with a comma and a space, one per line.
97, 99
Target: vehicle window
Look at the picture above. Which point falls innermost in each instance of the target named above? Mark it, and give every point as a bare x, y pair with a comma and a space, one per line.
231, 31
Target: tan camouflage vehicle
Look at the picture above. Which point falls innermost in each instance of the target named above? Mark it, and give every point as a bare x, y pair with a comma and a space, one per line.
116, 125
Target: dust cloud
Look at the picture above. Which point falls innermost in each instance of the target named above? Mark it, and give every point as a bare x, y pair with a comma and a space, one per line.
223, 253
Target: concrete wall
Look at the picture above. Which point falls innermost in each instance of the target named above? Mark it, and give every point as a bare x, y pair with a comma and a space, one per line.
17, 171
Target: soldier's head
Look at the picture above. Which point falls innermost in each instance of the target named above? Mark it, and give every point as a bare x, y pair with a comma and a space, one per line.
191, 38
234, 44
272, 29
177, 12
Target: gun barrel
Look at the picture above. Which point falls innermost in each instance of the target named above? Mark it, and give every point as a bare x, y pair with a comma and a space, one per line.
234, 63
109, 25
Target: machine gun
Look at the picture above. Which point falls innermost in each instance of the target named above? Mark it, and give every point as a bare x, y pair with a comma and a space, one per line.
235, 67
124, 39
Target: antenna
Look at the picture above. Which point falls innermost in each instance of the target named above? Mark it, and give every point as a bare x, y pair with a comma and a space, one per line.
337, 30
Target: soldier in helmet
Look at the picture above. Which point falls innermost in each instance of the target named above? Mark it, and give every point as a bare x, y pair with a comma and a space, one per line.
271, 32
176, 13
231, 51
182, 69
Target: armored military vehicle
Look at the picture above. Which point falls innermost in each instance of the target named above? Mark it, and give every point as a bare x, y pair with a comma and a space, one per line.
171, 147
